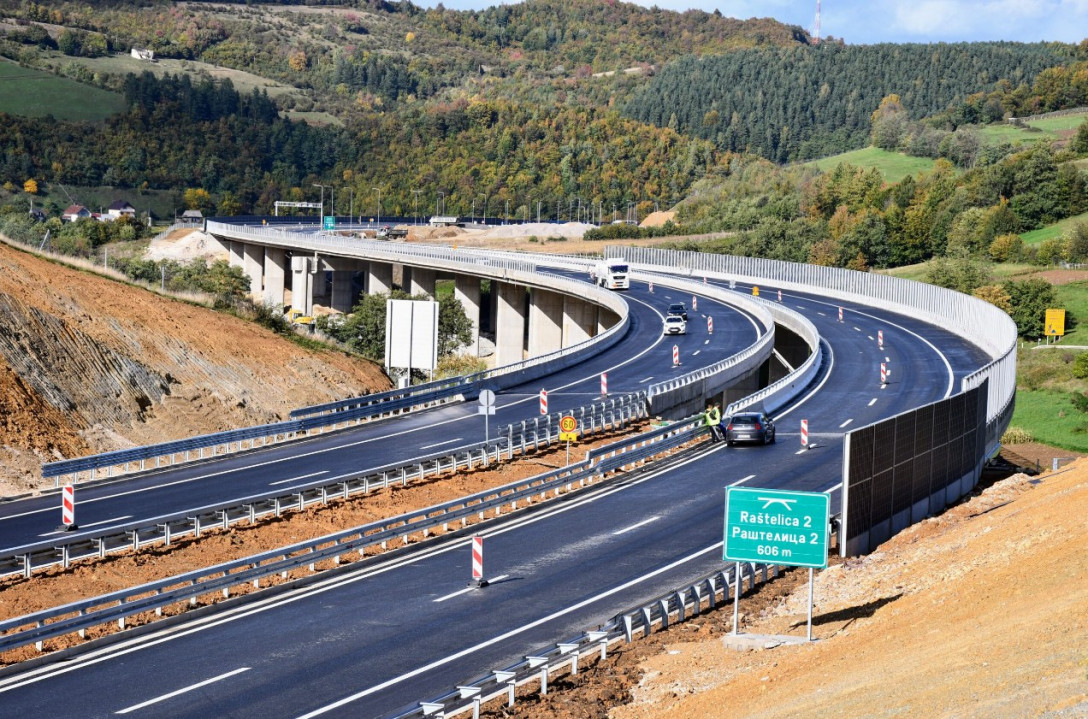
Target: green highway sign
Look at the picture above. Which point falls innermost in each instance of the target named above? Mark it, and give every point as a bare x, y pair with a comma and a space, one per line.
329, 223
774, 526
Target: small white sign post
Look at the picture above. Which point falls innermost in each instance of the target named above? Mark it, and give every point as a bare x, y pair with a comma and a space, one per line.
487, 408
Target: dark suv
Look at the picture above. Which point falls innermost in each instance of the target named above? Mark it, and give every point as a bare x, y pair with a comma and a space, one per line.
678, 308
749, 427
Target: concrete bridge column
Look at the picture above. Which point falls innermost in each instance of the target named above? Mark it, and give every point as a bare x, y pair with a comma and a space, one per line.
545, 322
466, 290
379, 278
579, 320
274, 265
343, 289
605, 319
253, 267
302, 284
237, 251
420, 282
510, 322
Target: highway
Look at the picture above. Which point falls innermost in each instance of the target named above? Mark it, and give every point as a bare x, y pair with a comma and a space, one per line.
641, 358
368, 641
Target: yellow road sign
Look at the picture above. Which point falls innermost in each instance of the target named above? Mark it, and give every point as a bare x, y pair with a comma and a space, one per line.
568, 436
755, 291
568, 424
1055, 322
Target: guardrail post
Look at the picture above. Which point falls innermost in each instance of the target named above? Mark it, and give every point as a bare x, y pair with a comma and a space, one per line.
26, 566
628, 634
647, 627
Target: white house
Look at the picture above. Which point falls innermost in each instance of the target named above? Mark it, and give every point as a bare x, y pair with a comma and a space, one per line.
119, 209
140, 54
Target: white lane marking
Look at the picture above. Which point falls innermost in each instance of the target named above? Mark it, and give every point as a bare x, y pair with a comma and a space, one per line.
858, 329
887, 359
259, 606
296, 479
636, 526
84, 526
513, 632
706, 342
872, 402
189, 688
644, 381
870, 337
822, 314
466, 590
846, 423
742, 481
695, 352
804, 449
439, 444
837, 486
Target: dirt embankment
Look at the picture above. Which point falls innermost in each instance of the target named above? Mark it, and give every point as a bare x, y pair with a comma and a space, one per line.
88, 364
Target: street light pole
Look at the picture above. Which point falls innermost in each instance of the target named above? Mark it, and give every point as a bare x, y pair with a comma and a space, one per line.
415, 205
322, 199
379, 191
351, 203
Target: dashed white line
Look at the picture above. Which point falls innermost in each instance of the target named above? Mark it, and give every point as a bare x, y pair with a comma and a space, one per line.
857, 329
439, 444
85, 526
695, 352
742, 481
636, 526
644, 381
189, 688
846, 423
466, 590
706, 342
872, 401
296, 479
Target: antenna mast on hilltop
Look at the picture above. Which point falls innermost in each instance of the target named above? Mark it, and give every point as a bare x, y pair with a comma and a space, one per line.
816, 25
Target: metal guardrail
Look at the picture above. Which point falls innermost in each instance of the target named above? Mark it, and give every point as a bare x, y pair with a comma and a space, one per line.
542, 665
116, 606
976, 320
391, 401
521, 437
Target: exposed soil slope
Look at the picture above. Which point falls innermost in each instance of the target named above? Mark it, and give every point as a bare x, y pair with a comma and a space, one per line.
88, 364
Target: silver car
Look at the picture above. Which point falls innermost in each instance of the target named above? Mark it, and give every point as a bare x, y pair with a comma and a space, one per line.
675, 325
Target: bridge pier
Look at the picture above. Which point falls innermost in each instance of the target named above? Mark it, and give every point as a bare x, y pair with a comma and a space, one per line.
343, 283
510, 322
379, 278
420, 281
579, 320
466, 290
545, 322
302, 284
253, 267
274, 267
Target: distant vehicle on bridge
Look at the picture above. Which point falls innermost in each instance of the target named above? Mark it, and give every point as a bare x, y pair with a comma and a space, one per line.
446, 221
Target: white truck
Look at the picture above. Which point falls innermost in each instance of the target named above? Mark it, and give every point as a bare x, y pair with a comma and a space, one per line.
612, 274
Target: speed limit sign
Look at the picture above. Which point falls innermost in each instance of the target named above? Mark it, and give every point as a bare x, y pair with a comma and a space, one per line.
568, 429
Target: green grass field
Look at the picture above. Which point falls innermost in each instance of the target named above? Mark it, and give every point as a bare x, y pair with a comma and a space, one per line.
35, 93
1062, 122
894, 166
1003, 131
1051, 231
1051, 418
1073, 298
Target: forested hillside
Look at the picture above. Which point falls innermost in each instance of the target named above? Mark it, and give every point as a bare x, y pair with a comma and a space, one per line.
799, 103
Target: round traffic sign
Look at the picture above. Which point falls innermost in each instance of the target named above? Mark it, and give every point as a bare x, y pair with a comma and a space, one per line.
568, 424
487, 398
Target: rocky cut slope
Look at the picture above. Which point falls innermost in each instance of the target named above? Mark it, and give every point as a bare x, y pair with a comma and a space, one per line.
88, 364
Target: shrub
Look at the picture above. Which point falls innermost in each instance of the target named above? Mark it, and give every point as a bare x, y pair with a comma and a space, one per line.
1017, 435
1080, 366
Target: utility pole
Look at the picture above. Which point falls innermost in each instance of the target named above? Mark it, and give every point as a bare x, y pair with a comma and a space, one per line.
379, 191
322, 199
415, 205
351, 203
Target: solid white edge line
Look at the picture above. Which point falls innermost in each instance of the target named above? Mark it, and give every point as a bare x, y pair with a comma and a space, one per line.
85, 526
466, 590
742, 481
644, 522
440, 444
502, 637
296, 479
189, 688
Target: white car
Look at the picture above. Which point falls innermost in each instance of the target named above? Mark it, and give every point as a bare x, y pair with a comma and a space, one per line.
675, 325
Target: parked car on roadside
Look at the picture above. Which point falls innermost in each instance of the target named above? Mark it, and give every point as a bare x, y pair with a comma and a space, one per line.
749, 427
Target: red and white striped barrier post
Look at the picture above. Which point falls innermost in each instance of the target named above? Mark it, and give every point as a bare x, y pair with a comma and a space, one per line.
880, 339
694, 302
883, 373
840, 314
704, 279
780, 295
804, 434
478, 562
604, 384
651, 288
709, 325
543, 401
675, 356
68, 506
